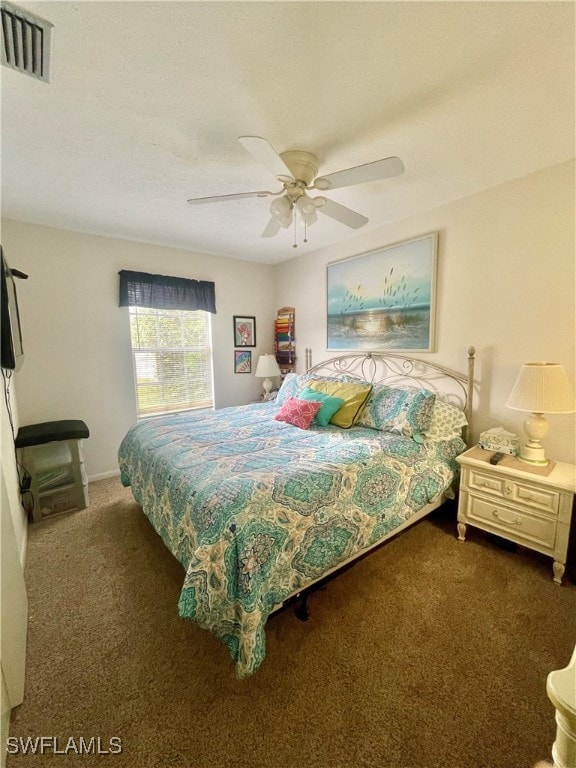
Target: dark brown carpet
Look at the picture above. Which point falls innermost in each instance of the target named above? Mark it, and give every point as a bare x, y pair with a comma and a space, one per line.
429, 653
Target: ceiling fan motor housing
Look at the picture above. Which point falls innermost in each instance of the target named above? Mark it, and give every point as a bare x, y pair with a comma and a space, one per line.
304, 165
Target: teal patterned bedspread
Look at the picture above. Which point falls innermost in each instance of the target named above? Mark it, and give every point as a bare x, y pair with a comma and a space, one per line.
256, 509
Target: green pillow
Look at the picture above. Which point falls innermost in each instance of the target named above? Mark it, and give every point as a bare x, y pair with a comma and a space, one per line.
328, 408
355, 397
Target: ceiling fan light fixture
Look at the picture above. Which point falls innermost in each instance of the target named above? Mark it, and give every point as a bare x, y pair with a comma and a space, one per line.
306, 209
281, 211
309, 219
305, 205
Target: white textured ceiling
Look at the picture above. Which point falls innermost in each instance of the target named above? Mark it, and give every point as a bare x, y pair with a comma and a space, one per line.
147, 101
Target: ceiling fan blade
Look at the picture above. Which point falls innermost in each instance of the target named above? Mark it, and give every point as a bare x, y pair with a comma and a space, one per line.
272, 228
340, 213
236, 196
265, 153
379, 169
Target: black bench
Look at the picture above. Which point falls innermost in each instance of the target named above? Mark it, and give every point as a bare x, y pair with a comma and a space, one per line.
48, 431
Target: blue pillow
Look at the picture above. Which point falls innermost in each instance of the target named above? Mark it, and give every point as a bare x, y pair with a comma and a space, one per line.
406, 412
328, 408
289, 388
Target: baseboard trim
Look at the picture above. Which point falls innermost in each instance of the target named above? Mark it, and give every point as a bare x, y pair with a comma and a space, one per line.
104, 475
24, 545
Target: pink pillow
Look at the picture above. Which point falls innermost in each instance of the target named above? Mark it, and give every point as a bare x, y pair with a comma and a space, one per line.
300, 413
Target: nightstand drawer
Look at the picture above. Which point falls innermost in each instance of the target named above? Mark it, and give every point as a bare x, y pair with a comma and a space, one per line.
482, 481
509, 520
530, 496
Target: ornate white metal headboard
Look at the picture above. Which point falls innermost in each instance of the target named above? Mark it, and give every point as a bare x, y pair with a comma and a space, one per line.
397, 369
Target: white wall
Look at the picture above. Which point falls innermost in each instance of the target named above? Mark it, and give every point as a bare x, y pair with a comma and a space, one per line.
506, 284
77, 340
506, 278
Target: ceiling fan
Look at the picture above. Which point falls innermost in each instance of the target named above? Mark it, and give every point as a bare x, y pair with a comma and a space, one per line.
296, 170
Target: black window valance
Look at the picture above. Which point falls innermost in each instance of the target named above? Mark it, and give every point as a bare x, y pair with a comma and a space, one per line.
141, 289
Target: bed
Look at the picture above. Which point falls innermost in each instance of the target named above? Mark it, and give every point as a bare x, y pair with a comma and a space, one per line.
258, 510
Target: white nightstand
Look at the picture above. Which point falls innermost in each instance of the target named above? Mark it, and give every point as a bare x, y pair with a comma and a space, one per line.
510, 500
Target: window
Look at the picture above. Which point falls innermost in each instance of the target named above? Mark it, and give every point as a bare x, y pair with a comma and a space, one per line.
171, 344
172, 354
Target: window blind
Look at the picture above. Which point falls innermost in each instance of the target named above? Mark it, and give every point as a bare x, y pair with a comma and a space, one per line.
172, 355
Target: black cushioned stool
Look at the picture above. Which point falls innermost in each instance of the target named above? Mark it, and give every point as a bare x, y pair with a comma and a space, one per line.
51, 452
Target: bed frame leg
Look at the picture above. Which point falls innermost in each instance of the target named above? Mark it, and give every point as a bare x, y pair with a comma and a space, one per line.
301, 609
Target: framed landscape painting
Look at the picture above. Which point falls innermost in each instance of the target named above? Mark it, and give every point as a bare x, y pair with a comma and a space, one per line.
384, 299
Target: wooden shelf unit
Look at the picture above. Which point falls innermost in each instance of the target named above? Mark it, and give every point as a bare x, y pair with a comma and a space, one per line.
284, 339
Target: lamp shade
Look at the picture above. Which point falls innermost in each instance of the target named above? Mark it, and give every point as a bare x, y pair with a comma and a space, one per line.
267, 366
542, 388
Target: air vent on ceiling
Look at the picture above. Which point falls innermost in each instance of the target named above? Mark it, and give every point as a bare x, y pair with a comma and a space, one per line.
26, 42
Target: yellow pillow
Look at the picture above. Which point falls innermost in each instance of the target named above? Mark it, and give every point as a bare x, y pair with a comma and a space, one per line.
354, 396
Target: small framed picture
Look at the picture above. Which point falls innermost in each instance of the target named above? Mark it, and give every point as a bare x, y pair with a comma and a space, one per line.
242, 361
244, 331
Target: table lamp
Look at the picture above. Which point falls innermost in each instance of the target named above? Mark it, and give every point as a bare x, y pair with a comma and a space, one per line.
540, 388
267, 367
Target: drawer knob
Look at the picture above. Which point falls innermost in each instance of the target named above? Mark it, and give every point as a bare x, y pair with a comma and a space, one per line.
507, 489
502, 519
481, 483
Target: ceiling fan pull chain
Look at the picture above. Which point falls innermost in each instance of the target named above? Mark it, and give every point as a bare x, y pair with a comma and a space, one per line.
305, 231
295, 243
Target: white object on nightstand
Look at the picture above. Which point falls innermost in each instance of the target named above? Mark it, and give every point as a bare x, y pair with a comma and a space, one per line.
561, 689
540, 388
266, 369
499, 439
531, 509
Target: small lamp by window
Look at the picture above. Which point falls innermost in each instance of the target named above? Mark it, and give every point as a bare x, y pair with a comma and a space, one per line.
267, 367
540, 388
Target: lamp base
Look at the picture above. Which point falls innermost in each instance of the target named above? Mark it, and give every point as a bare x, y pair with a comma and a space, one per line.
536, 428
267, 384
533, 453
